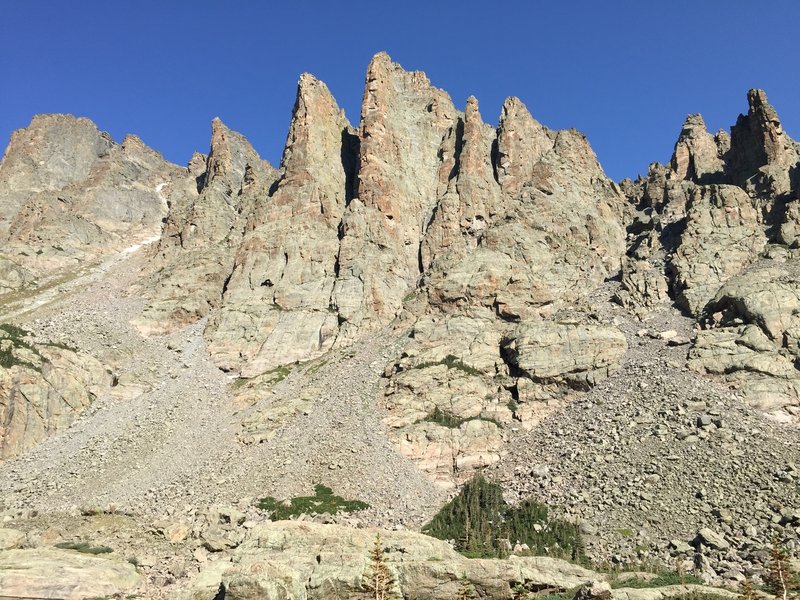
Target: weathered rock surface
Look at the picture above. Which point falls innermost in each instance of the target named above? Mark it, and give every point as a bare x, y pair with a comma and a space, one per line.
43, 388
722, 236
751, 337
706, 226
578, 355
403, 122
298, 560
63, 575
10, 538
195, 253
277, 306
69, 194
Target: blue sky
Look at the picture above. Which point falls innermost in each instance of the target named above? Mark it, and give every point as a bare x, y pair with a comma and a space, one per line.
624, 72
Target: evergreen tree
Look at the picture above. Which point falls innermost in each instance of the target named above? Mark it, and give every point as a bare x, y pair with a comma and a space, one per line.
780, 579
466, 591
479, 521
748, 592
380, 581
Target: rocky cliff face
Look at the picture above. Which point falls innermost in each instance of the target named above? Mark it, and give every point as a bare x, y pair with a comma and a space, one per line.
481, 243
426, 279
717, 229
70, 195
466, 233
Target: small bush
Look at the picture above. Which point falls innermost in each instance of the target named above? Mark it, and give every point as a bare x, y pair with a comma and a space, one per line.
444, 418
448, 419
60, 345
324, 501
451, 362
84, 547
380, 582
13, 332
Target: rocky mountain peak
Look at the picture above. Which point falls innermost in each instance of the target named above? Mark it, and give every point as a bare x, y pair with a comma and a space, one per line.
521, 143
320, 142
52, 152
697, 154
228, 157
762, 156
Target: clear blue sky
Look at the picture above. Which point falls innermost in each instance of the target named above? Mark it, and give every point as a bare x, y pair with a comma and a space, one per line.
624, 72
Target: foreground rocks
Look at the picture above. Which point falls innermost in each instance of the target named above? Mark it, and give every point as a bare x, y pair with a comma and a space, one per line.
306, 560
64, 575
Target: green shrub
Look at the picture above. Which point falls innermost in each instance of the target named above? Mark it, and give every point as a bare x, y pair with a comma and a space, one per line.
13, 332
444, 418
448, 419
478, 518
323, 501
14, 336
451, 362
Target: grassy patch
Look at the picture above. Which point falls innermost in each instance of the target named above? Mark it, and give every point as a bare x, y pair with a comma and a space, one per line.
314, 368
447, 419
480, 523
444, 418
14, 338
568, 595
625, 532
84, 547
451, 362
324, 501
278, 374
60, 345
13, 332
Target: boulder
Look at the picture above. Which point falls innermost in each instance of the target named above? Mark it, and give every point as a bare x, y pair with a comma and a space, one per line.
64, 575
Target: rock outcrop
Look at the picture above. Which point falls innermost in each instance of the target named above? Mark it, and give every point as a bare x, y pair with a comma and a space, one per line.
404, 120
70, 195
423, 215
43, 388
300, 560
278, 307
705, 233
64, 574
203, 230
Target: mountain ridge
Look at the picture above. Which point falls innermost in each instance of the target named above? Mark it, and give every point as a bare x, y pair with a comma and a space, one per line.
401, 305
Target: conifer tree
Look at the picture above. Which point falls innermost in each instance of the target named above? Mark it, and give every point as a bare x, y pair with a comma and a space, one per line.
780, 579
466, 591
380, 581
748, 592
